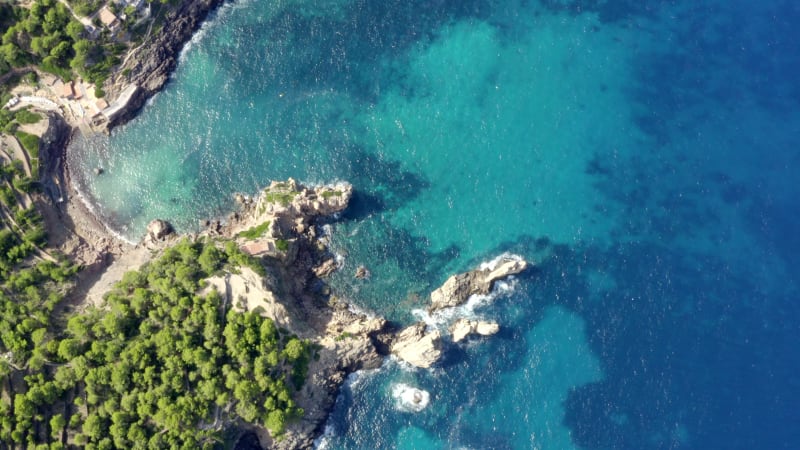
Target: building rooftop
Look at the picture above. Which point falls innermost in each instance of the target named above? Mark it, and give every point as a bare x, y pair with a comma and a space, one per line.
107, 18
67, 90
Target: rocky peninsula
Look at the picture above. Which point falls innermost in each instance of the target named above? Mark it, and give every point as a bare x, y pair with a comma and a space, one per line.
279, 227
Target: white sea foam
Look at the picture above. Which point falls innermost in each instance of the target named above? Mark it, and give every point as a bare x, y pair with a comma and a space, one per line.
323, 442
492, 264
352, 381
355, 378
361, 311
339, 258
403, 365
91, 208
443, 318
410, 399
201, 33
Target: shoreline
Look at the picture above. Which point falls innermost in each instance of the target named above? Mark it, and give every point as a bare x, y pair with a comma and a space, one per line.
349, 341
71, 222
76, 230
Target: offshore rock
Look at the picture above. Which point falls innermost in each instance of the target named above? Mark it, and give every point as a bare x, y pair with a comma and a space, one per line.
462, 328
458, 288
409, 398
362, 273
417, 347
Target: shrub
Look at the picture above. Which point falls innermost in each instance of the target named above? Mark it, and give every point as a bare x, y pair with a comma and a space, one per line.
255, 232
26, 117
30, 142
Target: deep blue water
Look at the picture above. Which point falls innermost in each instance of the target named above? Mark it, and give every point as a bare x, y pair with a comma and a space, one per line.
641, 153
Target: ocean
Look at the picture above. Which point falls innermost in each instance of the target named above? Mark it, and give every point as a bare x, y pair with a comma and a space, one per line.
639, 153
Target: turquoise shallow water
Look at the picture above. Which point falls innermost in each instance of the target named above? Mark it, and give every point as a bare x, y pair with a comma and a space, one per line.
640, 153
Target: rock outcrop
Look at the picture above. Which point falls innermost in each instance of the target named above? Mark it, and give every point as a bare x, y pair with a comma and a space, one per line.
52, 148
409, 398
458, 288
158, 229
280, 223
345, 346
462, 328
418, 347
282, 212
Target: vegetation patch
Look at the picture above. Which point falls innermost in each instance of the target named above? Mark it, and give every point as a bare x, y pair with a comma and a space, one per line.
283, 198
25, 117
282, 245
161, 366
328, 194
343, 336
255, 232
30, 142
47, 35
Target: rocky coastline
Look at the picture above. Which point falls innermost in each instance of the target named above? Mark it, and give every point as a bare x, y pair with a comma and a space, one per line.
149, 66
421, 345
280, 225
290, 241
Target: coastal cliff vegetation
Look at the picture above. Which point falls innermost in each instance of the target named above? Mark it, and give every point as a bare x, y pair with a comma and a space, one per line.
65, 38
159, 365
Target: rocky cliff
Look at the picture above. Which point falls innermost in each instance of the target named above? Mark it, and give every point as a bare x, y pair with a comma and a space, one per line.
150, 66
52, 148
280, 225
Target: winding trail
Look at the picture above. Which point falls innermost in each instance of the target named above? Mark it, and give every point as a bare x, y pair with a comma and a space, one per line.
85, 21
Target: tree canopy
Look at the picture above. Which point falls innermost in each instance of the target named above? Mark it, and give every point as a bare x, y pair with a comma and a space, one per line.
160, 365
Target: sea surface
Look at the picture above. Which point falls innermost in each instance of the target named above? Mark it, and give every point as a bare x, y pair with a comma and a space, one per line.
643, 154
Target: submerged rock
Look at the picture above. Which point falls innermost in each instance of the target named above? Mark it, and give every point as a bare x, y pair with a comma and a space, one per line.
362, 273
458, 288
418, 347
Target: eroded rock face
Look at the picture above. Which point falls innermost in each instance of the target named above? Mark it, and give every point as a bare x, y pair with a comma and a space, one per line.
417, 347
458, 288
290, 210
150, 67
52, 147
344, 347
462, 328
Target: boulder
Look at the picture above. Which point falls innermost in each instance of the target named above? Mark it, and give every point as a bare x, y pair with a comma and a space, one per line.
462, 328
487, 328
458, 288
159, 229
417, 347
409, 398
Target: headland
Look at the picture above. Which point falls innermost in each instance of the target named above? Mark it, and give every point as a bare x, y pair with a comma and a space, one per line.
276, 227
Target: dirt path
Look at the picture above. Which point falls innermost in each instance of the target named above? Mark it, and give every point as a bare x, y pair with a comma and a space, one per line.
18, 153
126, 262
85, 21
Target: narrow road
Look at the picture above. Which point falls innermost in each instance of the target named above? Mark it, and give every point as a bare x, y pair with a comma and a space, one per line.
86, 21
